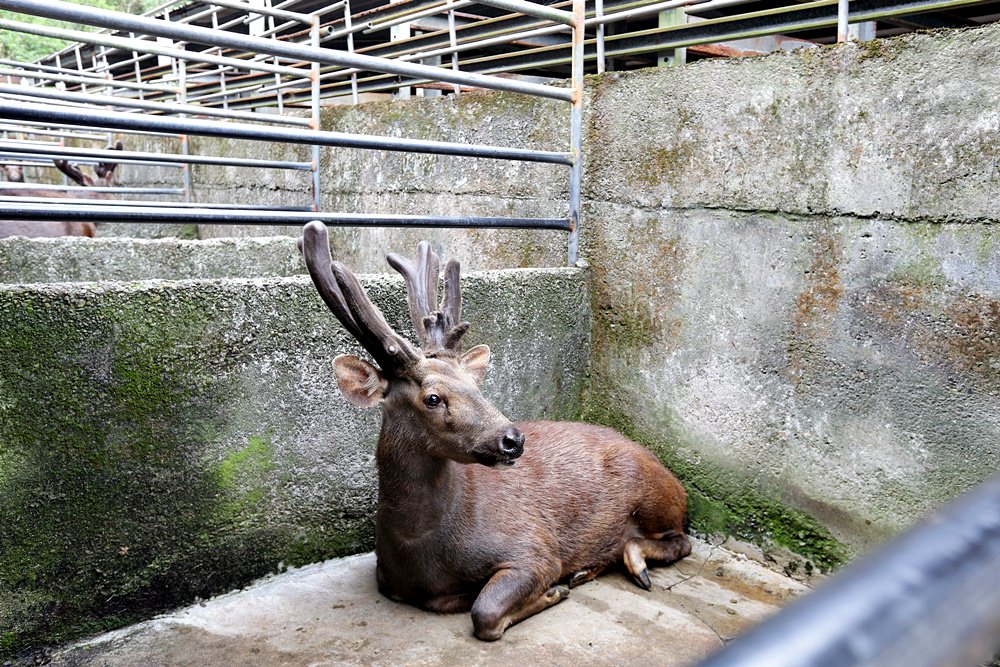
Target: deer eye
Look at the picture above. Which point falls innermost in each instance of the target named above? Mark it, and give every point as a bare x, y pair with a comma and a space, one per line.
432, 400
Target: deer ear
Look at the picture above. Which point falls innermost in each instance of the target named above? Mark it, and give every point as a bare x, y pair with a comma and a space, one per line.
361, 383
475, 362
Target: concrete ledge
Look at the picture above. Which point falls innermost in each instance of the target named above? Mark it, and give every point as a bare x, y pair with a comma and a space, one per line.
167, 440
80, 259
331, 614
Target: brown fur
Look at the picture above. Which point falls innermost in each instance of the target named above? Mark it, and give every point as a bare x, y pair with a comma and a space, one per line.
467, 520
104, 172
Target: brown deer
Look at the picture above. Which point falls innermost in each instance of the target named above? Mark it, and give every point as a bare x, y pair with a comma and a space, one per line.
104, 172
474, 511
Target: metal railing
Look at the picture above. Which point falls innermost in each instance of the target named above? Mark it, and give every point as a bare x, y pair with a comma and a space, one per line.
228, 68
929, 598
76, 105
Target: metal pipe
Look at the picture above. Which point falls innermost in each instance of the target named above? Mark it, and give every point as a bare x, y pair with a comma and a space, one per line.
165, 107
643, 11
576, 130
264, 11
99, 82
413, 16
61, 10
532, 9
315, 115
158, 203
145, 46
928, 598
116, 120
49, 133
842, 35
42, 161
149, 214
503, 39
82, 188
91, 128
599, 14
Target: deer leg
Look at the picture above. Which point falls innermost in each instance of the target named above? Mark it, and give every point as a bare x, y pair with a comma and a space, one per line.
671, 547
509, 597
449, 604
583, 576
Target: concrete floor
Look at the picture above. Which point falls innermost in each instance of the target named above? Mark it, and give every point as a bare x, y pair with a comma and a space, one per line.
330, 614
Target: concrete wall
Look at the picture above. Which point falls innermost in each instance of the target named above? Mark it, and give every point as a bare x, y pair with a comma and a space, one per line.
163, 440
795, 286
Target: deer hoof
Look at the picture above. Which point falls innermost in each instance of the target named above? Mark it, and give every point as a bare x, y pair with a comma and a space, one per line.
557, 594
642, 580
581, 577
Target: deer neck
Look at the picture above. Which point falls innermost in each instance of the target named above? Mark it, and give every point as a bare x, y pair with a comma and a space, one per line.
417, 492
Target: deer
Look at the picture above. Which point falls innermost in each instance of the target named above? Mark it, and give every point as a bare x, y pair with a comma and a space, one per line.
104, 172
475, 512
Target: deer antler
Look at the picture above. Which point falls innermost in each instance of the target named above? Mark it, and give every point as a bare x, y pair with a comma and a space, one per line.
106, 170
438, 330
349, 302
74, 173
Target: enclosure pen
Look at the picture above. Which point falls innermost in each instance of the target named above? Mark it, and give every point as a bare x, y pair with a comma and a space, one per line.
170, 107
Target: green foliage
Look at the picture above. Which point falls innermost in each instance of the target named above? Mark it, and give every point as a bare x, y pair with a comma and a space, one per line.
27, 48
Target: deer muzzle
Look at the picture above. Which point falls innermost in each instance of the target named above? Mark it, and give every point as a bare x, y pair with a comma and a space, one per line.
509, 446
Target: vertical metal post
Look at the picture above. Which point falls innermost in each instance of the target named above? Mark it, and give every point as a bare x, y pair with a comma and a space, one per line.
576, 129
350, 49
673, 57
599, 11
453, 41
314, 81
182, 98
842, 35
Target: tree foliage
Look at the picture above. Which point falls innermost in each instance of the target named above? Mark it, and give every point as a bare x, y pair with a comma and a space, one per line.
28, 48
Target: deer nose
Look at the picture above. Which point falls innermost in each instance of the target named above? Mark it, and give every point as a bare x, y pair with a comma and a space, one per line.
512, 443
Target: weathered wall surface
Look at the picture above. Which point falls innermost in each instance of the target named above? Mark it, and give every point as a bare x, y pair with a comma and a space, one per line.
795, 287
80, 259
164, 440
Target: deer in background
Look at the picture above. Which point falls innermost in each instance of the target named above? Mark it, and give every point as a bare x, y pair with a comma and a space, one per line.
104, 172
474, 511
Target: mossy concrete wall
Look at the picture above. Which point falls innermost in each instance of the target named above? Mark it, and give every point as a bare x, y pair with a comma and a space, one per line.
795, 289
162, 440
24, 260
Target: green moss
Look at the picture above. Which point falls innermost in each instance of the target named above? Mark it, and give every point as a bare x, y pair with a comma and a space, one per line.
665, 165
721, 501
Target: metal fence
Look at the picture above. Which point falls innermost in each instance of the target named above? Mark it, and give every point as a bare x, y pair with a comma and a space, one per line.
929, 598
48, 114
261, 69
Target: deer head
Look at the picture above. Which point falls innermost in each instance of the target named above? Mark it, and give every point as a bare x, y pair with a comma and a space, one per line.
13, 173
105, 171
430, 395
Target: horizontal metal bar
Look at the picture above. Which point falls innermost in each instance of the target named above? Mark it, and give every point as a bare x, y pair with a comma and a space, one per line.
419, 14
928, 598
116, 120
504, 39
264, 11
655, 8
63, 201
165, 107
97, 128
54, 151
99, 213
142, 46
531, 9
96, 81
95, 190
51, 133
45, 162
65, 11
